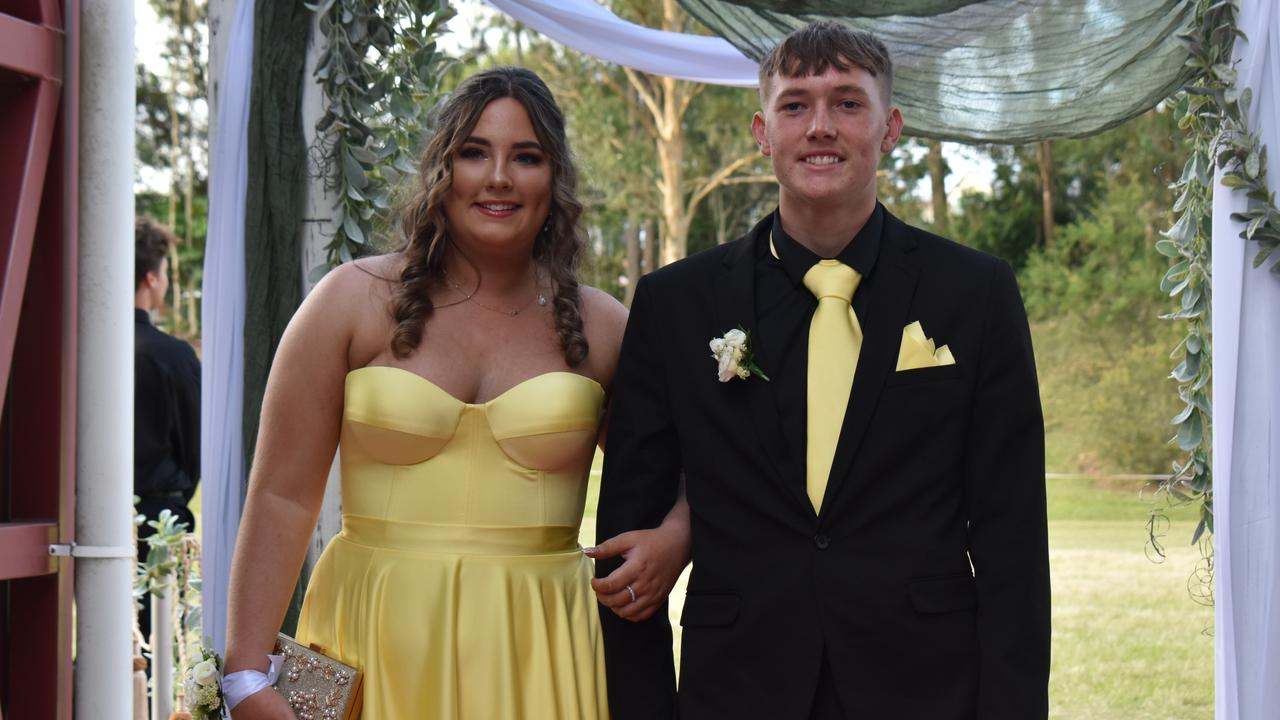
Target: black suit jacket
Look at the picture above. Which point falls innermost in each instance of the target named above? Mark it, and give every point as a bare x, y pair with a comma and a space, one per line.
924, 579
166, 436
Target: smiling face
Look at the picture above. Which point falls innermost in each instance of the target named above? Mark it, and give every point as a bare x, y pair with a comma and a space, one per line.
500, 194
825, 135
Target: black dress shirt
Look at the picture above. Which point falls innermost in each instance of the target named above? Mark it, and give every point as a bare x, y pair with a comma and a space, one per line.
166, 439
784, 308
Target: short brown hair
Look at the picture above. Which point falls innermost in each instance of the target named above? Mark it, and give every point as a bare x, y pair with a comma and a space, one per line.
151, 244
823, 44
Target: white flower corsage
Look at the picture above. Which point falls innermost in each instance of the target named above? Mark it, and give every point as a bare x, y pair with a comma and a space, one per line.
203, 686
732, 353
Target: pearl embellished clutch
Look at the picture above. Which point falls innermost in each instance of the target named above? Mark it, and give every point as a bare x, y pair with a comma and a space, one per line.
315, 685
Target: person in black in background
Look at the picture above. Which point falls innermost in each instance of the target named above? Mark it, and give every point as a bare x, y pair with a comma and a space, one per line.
166, 411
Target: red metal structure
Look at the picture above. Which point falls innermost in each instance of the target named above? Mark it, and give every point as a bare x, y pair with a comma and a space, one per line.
38, 179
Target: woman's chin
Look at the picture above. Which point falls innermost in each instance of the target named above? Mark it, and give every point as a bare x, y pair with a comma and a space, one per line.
500, 244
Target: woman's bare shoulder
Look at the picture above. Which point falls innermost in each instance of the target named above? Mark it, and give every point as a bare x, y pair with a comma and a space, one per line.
602, 313
370, 278
603, 321
352, 300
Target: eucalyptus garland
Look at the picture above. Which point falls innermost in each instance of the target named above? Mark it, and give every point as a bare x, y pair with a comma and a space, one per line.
1213, 111
380, 73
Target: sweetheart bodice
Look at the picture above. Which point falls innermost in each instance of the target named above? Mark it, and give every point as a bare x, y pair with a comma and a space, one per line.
411, 452
460, 534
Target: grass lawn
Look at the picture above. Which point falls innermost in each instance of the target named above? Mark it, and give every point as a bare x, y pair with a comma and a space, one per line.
1128, 641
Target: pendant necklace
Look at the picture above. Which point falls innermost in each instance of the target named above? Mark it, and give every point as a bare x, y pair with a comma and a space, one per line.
470, 297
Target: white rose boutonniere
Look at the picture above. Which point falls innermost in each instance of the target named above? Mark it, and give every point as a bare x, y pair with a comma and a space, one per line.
732, 353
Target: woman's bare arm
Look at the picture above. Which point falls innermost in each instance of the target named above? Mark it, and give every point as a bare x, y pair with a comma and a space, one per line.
301, 418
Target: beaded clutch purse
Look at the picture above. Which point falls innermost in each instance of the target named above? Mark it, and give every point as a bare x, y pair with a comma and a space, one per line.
316, 686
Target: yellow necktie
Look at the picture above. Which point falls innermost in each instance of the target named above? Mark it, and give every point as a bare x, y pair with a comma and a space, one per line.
835, 338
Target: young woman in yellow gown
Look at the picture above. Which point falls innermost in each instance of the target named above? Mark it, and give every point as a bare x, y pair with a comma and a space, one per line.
465, 380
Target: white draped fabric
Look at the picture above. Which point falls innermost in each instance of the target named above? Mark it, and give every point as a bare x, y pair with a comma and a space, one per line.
222, 395
1246, 402
591, 28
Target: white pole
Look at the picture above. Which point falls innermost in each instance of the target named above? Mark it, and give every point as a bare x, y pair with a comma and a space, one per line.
104, 425
139, 681
162, 651
317, 229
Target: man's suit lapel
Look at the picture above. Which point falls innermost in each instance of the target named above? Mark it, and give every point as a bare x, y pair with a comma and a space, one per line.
892, 286
736, 307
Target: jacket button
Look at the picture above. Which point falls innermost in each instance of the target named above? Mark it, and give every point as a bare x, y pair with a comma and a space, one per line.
822, 541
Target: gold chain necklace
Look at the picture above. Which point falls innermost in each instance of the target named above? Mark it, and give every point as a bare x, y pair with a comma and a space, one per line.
470, 297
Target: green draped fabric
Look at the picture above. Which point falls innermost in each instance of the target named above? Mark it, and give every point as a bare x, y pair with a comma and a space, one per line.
856, 8
274, 196
1004, 71
274, 200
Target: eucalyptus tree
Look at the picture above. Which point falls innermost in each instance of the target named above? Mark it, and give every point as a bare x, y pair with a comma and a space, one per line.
172, 134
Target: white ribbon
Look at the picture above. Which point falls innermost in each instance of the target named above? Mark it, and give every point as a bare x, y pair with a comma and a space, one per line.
593, 29
239, 685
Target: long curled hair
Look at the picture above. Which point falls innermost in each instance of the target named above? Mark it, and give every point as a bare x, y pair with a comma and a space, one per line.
559, 245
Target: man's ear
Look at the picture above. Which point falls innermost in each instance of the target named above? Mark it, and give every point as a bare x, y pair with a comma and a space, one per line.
762, 138
152, 278
893, 131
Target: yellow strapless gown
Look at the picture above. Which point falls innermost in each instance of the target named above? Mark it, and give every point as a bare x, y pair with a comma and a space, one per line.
457, 583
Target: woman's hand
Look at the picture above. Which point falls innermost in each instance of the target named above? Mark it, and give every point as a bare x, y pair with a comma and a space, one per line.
266, 704
653, 561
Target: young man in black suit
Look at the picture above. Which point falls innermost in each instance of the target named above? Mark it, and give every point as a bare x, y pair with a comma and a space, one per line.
166, 411
868, 523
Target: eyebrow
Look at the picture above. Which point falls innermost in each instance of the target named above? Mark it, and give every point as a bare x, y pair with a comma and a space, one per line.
522, 145
793, 92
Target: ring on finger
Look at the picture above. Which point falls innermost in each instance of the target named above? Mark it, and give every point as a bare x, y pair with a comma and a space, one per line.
633, 593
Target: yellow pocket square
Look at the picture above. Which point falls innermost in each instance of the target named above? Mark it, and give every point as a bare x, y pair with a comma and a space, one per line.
918, 352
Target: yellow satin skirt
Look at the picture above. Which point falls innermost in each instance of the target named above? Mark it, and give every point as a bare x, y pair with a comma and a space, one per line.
475, 623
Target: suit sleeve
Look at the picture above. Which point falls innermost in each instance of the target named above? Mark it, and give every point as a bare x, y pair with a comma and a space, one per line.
639, 485
1005, 498
187, 417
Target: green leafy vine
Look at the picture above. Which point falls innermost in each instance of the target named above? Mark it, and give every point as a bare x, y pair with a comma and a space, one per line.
163, 554
1213, 110
380, 73
172, 563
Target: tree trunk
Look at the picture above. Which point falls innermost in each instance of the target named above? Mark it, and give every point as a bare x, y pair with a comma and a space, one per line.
632, 238
675, 238
172, 99
185, 13
722, 217
1046, 189
651, 244
938, 176
175, 288
175, 275
675, 222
